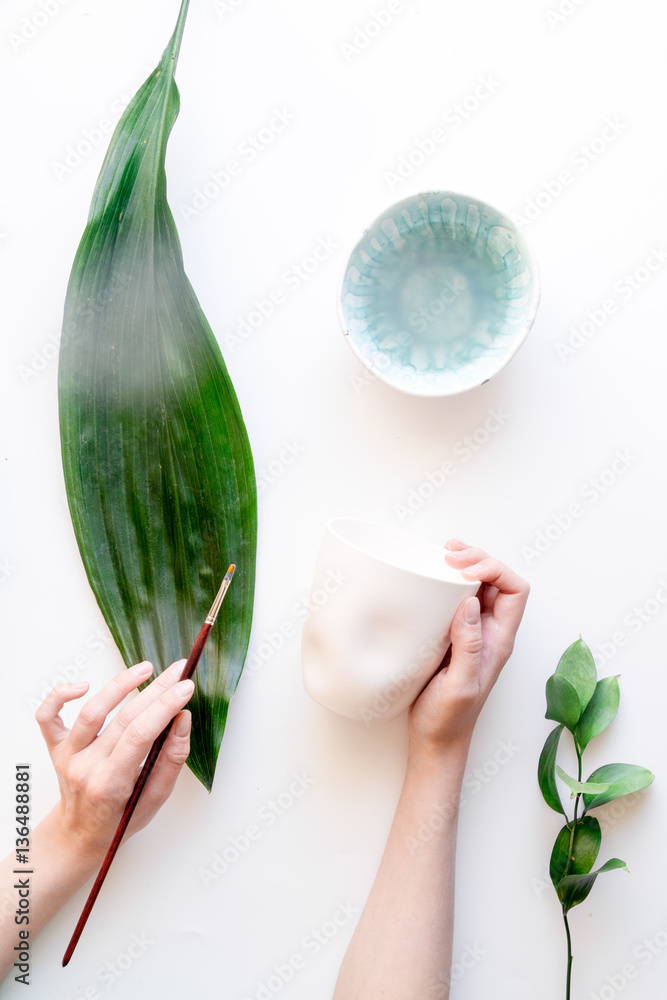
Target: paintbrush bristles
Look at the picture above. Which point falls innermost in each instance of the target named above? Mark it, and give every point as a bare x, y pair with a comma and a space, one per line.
215, 607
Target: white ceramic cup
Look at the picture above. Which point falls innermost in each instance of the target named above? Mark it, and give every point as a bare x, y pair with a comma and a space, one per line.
380, 611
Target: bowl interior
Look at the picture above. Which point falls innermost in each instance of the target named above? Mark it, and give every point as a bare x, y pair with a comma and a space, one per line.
438, 294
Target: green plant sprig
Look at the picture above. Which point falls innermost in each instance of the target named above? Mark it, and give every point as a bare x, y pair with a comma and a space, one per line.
585, 706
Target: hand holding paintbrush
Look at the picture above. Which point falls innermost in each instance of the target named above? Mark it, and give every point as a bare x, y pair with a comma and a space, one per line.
148, 766
96, 766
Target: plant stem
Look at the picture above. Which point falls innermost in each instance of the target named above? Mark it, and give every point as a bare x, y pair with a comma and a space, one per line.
569, 957
574, 821
567, 869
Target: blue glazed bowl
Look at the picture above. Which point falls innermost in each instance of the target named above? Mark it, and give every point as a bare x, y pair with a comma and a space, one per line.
439, 294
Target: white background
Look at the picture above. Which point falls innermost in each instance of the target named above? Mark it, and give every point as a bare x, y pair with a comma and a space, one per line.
362, 446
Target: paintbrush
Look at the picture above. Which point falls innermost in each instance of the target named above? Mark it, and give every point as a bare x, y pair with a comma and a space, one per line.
149, 764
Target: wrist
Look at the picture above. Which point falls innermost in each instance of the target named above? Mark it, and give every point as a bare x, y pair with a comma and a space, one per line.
72, 844
431, 793
435, 758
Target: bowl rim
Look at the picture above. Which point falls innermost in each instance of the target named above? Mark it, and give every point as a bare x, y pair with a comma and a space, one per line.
430, 391
331, 529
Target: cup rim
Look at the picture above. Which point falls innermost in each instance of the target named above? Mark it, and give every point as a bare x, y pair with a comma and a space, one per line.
394, 564
503, 361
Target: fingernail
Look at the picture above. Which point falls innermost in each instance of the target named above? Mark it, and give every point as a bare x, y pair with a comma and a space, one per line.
142, 669
472, 613
183, 688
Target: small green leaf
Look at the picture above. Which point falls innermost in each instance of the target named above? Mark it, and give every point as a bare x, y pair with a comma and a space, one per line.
577, 666
562, 702
621, 779
546, 773
578, 787
573, 889
600, 711
585, 848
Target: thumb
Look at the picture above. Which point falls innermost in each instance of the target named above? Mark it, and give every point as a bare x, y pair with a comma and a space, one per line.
466, 634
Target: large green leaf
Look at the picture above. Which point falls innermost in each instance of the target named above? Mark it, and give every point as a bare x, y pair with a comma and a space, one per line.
585, 848
600, 711
546, 771
158, 467
577, 666
620, 779
573, 889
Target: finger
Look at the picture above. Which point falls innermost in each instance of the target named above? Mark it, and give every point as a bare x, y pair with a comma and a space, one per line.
510, 601
138, 738
169, 764
92, 716
455, 544
467, 556
466, 635
128, 713
47, 715
488, 598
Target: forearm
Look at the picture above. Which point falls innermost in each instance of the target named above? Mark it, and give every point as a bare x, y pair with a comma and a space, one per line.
402, 946
56, 870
